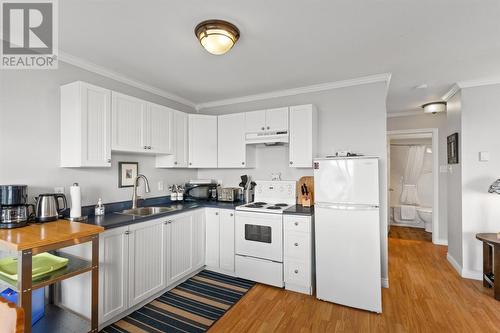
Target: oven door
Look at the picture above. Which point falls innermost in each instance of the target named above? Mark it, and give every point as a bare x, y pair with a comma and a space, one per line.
259, 235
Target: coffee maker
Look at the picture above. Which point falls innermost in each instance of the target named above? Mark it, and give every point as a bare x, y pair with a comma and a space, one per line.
14, 211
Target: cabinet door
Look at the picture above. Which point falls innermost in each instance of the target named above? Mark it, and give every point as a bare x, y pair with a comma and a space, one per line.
160, 134
231, 141
128, 123
147, 260
212, 238
198, 238
202, 141
113, 273
301, 148
179, 156
96, 126
277, 119
255, 121
227, 240
181, 246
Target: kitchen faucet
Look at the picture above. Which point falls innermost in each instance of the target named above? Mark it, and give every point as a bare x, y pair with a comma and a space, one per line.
134, 195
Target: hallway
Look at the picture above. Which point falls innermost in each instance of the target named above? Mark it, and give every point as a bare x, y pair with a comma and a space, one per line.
425, 295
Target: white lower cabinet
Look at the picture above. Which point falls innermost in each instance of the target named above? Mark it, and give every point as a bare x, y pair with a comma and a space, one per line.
298, 253
220, 240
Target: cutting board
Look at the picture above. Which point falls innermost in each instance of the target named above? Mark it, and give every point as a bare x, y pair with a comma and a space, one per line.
302, 199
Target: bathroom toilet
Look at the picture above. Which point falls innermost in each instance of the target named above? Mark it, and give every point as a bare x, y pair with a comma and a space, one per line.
425, 214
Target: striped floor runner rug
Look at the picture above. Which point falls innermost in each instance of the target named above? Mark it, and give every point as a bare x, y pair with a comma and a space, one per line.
193, 306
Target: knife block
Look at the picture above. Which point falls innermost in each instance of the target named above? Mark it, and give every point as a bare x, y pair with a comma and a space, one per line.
303, 199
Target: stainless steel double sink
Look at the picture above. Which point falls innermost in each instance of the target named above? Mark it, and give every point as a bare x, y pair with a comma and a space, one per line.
147, 211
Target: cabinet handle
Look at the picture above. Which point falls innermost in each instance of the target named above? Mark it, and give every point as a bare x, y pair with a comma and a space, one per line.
296, 244
296, 271
263, 128
296, 223
291, 162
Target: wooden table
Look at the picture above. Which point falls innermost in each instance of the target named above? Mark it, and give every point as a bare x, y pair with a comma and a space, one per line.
491, 261
38, 238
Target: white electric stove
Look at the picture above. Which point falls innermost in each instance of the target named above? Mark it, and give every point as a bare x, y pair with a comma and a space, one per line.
259, 233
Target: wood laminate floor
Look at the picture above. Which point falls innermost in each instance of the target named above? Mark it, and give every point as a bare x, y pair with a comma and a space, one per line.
410, 233
425, 295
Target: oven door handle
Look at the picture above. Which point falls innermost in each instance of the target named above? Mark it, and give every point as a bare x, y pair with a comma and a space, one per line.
260, 259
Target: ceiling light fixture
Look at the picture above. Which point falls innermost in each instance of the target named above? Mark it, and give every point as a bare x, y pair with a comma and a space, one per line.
217, 36
434, 107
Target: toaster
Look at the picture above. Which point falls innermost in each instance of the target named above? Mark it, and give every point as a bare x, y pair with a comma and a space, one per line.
229, 194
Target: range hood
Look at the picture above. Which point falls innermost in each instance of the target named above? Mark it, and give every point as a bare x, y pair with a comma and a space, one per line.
267, 138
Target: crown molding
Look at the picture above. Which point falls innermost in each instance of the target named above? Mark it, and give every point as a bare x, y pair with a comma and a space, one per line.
450, 93
385, 77
404, 114
92, 67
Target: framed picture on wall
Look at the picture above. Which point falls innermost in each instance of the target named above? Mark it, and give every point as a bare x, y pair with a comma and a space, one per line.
453, 148
127, 171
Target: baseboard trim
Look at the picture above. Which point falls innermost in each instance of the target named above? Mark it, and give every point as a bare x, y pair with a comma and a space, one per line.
465, 273
454, 263
385, 282
441, 242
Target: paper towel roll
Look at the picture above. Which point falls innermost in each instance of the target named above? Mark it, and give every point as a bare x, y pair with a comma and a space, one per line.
76, 201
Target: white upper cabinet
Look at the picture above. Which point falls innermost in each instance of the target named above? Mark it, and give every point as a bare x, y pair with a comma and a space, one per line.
303, 136
277, 119
232, 151
179, 156
202, 141
140, 126
160, 124
255, 121
85, 125
129, 119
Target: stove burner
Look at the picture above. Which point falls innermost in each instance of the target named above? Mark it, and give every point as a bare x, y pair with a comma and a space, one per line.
259, 203
254, 206
281, 204
273, 207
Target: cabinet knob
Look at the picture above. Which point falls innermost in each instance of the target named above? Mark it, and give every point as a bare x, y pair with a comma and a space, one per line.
291, 162
231, 214
296, 271
145, 147
262, 128
296, 223
149, 147
268, 127
127, 232
296, 244
242, 163
175, 162
190, 163
216, 213
109, 160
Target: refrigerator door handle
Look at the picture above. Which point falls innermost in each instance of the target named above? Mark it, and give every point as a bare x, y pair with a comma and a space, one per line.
345, 206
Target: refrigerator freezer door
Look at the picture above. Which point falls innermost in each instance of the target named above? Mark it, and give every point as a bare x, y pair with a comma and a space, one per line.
348, 257
346, 181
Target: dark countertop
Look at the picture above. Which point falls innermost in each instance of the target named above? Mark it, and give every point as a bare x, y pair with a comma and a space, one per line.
299, 210
112, 219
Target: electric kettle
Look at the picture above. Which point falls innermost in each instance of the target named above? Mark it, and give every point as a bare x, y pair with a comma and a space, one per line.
47, 206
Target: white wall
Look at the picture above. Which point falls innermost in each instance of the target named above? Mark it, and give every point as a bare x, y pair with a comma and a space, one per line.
352, 118
454, 179
29, 137
438, 121
480, 210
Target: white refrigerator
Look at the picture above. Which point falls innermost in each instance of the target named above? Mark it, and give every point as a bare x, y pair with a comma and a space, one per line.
347, 232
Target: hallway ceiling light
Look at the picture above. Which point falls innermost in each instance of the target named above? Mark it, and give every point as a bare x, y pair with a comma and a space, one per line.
434, 107
217, 36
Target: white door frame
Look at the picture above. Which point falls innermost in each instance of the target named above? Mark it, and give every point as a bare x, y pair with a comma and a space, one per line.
435, 174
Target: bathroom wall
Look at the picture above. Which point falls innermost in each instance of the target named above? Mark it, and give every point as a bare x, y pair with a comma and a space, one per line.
399, 156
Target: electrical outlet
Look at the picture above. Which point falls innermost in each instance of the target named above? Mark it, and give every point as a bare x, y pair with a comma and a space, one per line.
160, 185
59, 189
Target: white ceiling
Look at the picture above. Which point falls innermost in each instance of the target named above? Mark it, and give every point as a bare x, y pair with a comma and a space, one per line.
289, 43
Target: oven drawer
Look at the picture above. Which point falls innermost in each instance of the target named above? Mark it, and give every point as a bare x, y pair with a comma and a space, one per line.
297, 246
259, 270
297, 223
297, 273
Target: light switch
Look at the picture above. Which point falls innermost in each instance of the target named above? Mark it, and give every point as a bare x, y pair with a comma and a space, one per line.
484, 156
160, 185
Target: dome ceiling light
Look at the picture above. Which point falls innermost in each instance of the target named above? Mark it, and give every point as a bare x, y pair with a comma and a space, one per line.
434, 107
217, 36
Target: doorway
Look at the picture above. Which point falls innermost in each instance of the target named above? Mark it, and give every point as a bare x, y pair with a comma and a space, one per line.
413, 177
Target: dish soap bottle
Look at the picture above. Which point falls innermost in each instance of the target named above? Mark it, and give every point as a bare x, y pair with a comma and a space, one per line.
99, 209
